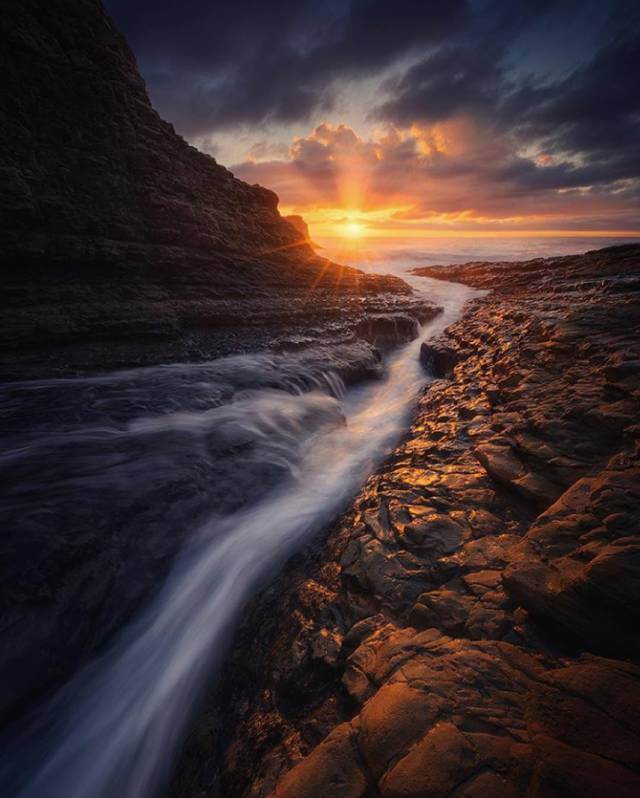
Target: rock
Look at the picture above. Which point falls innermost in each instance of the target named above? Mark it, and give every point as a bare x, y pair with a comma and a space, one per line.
327, 646
123, 245
438, 359
500, 463
300, 225
433, 767
536, 489
387, 330
438, 716
434, 533
444, 609
487, 575
565, 770
329, 770
391, 722
580, 573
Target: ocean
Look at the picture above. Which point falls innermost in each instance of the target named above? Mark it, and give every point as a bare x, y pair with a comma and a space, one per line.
396, 255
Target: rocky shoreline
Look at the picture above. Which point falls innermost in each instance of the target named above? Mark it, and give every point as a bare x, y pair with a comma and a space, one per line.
469, 627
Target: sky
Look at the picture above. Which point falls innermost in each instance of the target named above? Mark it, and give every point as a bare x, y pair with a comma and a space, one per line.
409, 118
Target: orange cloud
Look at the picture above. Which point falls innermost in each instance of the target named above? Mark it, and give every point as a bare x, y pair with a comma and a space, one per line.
459, 175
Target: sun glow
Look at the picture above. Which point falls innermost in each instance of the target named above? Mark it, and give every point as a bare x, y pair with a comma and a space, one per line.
354, 230
404, 183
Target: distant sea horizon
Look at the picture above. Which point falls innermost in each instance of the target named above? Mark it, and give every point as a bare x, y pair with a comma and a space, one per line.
400, 254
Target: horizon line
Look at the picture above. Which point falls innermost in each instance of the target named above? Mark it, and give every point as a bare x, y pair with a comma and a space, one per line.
490, 234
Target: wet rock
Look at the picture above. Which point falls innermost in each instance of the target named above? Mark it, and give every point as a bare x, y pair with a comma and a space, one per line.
385, 331
435, 534
438, 359
502, 464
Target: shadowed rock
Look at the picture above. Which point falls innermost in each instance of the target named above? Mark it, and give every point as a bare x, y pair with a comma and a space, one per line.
385, 330
438, 358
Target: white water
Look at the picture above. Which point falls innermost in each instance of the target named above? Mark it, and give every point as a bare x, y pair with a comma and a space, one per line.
113, 730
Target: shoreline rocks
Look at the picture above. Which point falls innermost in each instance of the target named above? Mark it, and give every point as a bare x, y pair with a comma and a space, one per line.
480, 595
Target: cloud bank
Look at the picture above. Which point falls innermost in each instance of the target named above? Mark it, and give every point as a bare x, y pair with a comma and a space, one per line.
441, 112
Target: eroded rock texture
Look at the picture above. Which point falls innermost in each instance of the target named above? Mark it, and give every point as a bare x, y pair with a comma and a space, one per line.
469, 628
122, 244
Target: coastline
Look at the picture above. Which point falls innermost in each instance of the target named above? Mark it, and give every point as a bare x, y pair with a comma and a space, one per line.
484, 578
281, 525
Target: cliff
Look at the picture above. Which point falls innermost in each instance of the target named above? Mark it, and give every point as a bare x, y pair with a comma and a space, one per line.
91, 172
113, 227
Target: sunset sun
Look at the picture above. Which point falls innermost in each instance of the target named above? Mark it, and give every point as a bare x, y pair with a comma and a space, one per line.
353, 230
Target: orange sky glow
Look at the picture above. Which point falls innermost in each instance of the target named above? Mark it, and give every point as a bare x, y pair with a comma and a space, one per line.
459, 178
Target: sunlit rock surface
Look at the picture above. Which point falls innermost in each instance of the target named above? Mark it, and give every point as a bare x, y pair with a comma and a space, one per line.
469, 627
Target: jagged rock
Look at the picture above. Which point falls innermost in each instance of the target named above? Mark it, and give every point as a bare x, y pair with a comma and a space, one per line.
503, 465
434, 715
579, 565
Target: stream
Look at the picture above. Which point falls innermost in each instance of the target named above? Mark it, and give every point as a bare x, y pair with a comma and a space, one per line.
243, 460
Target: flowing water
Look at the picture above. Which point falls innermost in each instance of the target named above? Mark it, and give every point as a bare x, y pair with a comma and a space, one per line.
246, 458
234, 464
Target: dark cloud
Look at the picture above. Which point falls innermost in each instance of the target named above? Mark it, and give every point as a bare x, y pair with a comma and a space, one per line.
540, 99
593, 114
214, 65
454, 79
588, 116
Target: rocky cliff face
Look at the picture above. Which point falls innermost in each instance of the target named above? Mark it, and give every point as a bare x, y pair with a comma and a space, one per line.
90, 171
113, 227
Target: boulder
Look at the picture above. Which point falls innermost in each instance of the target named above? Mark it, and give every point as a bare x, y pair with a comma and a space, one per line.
386, 330
438, 359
